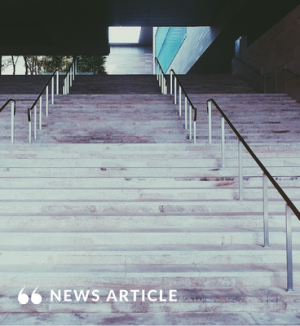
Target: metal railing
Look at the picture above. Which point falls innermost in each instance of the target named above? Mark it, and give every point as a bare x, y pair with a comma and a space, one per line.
290, 71
13, 113
40, 99
266, 176
162, 78
187, 99
163, 84
289, 207
255, 71
69, 77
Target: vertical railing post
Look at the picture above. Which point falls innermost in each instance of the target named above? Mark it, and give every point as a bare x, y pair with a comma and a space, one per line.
175, 90
34, 123
47, 100
29, 122
209, 122
40, 115
289, 253
241, 195
76, 60
57, 82
52, 91
74, 69
171, 82
71, 79
166, 87
180, 91
223, 141
266, 212
12, 121
195, 131
185, 112
190, 122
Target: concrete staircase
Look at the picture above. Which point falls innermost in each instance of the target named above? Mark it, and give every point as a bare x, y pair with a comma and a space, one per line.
164, 216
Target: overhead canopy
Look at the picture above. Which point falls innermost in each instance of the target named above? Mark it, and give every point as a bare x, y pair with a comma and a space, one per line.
36, 27
72, 27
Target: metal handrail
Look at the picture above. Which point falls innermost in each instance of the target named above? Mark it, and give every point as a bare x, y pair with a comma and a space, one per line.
39, 98
162, 78
69, 77
266, 175
13, 113
185, 93
160, 67
163, 84
254, 70
187, 99
290, 71
7, 102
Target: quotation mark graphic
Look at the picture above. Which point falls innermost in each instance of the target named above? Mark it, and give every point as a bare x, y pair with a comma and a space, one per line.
23, 298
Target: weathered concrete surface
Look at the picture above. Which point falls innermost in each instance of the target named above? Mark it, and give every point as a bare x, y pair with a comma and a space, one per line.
148, 216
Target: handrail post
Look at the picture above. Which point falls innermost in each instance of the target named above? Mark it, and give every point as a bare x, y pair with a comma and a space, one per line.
12, 121
47, 100
185, 113
34, 127
289, 254
223, 141
57, 82
195, 132
52, 91
241, 196
71, 78
171, 82
29, 135
180, 101
190, 122
209, 122
166, 87
175, 90
266, 212
40, 114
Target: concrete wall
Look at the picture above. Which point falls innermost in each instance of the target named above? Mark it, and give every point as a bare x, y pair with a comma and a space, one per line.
275, 50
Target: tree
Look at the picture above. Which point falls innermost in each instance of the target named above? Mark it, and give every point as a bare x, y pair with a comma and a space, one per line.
53, 62
13, 61
94, 64
6, 62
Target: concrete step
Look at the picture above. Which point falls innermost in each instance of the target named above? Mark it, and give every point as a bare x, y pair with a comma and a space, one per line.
101, 223
141, 195
137, 172
150, 318
130, 255
230, 183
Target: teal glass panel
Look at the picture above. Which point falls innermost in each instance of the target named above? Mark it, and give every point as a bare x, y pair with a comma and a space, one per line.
168, 41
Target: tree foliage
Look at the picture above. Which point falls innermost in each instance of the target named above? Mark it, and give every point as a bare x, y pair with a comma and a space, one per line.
94, 64
35, 65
